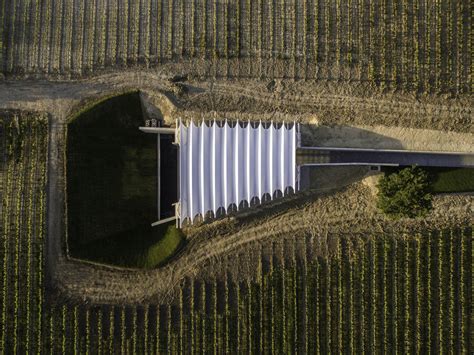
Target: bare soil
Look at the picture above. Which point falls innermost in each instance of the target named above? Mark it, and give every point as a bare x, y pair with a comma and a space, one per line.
318, 103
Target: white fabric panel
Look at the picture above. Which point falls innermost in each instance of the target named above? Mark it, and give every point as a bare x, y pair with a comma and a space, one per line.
258, 171
253, 148
259, 162
255, 172
282, 158
276, 180
270, 160
268, 164
230, 176
241, 165
235, 161
207, 203
249, 166
196, 171
264, 173
213, 168
293, 157
225, 148
288, 145
220, 166
202, 197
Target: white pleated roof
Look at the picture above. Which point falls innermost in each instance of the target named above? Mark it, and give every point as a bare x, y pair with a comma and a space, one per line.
223, 167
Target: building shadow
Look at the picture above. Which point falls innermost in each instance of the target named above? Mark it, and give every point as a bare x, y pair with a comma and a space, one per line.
342, 136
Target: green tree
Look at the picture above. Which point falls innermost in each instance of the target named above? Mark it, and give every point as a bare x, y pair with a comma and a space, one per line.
405, 193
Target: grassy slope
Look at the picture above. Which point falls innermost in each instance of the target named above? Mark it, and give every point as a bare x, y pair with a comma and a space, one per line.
161, 251
146, 247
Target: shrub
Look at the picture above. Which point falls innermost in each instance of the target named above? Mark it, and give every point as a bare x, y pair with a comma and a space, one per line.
405, 193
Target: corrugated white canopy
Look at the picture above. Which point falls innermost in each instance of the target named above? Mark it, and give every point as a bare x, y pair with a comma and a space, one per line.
224, 167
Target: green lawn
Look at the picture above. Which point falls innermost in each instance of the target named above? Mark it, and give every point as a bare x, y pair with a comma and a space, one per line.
160, 252
452, 180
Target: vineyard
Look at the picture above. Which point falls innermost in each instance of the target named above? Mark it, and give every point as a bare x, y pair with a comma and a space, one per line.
409, 294
374, 292
403, 293
414, 45
23, 170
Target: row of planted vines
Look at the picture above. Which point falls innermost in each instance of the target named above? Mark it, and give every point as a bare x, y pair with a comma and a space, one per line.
410, 295
413, 45
23, 171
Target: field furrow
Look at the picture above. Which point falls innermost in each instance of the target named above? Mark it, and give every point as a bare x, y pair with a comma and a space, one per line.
391, 294
459, 300
467, 240
8, 202
110, 41
399, 26
466, 74
422, 52
187, 27
89, 39
133, 28
122, 34
364, 34
347, 298
380, 296
77, 42
100, 34
358, 291
29, 35
25, 4
11, 11
57, 33
2, 38
66, 37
